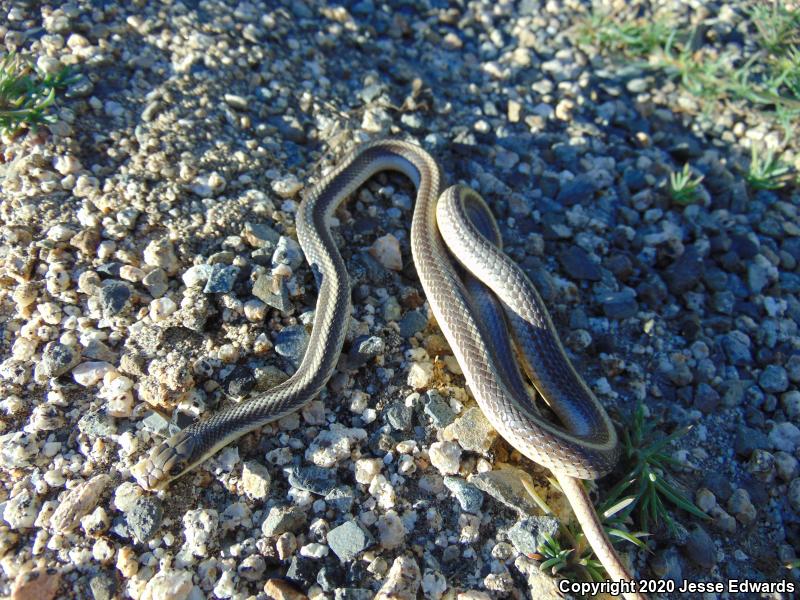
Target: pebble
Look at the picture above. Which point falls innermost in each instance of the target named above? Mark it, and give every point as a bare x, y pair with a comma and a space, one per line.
398, 415
78, 502
90, 373
445, 456
386, 250
437, 410
469, 497
278, 589
620, 305
197, 275
412, 323
579, 189
529, 533
282, 519
773, 379
144, 517
505, 485
256, 480
403, 580
700, 548
168, 584
348, 540
472, 430
36, 584
391, 530
578, 265
161, 308
200, 529
313, 479
291, 343
785, 436
221, 279
287, 253
114, 296
332, 445
57, 359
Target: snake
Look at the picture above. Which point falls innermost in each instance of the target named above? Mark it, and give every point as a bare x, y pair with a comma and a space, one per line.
490, 313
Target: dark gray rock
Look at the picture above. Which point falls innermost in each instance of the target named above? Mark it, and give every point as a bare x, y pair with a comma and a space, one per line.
438, 410
291, 343
221, 279
469, 497
579, 189
620, 305
348, 540
578, 265
412, 322
398, 415
685, 273
114, 297
774, 379
700, 548
530, 533
706, 398
57, 359
239, 382
144, 517
316, 480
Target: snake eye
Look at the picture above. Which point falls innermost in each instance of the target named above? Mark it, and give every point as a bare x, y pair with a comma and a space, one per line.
175, 470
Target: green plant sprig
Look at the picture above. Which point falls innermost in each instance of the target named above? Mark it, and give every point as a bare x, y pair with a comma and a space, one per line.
683, 188
27, 93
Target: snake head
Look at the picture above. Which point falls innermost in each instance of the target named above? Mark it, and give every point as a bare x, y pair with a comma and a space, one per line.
166, 462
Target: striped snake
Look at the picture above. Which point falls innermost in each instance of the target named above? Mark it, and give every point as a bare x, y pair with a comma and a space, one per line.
456, 223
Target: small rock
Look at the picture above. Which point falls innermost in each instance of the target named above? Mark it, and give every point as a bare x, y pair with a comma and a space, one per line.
700, 548
469, 497
278, 589
144, 517
785, 436
399, 416
36, 584
472, 430
620, 305
175, 585
57, 359
256, 480
505, 485
579, 189
578, 265
402, 582
530, 533
221, 279
773, 379
291, 343
282, 519
78, 502
114, 296
348, 540
89, 373
412, 322
445, 456
313, 479
740, 506
386, 250
439, 411
685, 272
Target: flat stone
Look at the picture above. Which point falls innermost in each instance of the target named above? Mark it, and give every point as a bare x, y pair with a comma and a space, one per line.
469, 497
57, 359
263, 290
437, 410
472, 430
114, 296
620, 305
316, 480
291, 343
529, 533
412, 322
221, 279
578, 265
365, 349
348, 540
282, 519
505, 485
144, 517
579, 189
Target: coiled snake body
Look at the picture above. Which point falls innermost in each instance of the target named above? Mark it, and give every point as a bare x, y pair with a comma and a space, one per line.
472, 321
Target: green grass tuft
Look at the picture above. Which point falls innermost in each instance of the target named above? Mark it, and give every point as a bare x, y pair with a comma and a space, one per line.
27, 93
766, 171
648, 489
683, 188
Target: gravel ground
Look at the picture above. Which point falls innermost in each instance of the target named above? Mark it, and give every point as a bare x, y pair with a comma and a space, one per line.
149, 273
